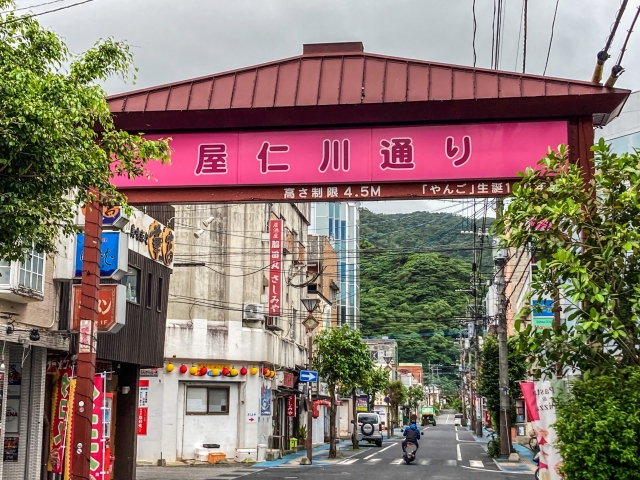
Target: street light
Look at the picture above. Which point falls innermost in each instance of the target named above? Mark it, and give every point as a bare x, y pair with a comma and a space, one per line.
310, 304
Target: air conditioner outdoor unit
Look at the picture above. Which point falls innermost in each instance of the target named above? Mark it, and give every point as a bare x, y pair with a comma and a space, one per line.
273, 323
253, 312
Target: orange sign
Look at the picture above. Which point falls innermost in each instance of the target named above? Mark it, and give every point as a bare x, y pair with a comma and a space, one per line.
107, 307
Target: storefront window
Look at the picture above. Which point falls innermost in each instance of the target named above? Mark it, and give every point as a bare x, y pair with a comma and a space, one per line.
132, 281
207, 401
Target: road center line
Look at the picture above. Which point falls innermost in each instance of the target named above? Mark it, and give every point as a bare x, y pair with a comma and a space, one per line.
386, 448
459, 453
367, 458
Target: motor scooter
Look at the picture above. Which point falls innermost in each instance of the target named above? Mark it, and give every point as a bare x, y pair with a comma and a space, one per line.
409, 454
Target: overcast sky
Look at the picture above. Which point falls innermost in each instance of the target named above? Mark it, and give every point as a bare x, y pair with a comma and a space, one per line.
181, 39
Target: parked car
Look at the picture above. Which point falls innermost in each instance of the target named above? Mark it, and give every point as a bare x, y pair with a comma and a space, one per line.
369, 428
458, 420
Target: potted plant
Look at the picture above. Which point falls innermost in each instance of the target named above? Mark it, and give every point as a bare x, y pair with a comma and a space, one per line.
302, 437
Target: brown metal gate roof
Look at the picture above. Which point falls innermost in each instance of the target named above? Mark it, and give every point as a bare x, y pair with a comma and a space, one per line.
340, 84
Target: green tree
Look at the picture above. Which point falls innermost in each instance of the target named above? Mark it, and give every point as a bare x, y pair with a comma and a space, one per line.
598, 427
341, 358
589, 234
489, 376
50, 150
376, 382
415, 395
397, 394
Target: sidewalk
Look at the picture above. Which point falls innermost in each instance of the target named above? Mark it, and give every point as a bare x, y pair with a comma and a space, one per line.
524, 465
320, 456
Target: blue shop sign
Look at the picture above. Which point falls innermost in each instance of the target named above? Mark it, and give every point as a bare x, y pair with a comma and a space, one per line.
546, 308
113, 255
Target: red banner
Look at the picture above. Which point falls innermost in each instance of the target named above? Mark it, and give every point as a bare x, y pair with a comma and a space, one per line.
276, 238
142, 420
291, 406
60, 415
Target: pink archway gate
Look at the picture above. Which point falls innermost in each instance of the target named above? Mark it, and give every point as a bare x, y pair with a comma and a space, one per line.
336, 123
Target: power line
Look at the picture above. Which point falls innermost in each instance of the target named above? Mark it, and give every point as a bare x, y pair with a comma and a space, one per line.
24, 17
524, 47
33, 6
519, 35
617, 69
475, 27
553, 25
603, 55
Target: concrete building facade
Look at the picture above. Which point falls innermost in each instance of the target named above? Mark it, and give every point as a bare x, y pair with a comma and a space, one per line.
29, 300
220, 342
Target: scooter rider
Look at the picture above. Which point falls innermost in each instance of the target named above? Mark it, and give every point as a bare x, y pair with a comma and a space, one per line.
411, 434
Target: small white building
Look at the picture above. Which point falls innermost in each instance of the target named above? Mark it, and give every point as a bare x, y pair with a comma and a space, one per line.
217, 321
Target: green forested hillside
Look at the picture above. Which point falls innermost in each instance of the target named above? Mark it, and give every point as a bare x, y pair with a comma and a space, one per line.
410, 267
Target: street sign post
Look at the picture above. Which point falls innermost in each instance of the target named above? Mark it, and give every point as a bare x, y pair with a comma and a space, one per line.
308, 376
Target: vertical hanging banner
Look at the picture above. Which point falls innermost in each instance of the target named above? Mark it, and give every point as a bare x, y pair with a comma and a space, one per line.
291, 406
539, 398
143, 405
97, 465
275, 268
59, 417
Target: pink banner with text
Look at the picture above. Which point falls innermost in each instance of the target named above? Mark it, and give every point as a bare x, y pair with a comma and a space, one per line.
317, 157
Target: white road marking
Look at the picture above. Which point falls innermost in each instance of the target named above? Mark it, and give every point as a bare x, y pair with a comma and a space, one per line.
397, 462
456, 428
374, 460
448, 419
425, 462
386, 448
367, 458
476, 463
348, 461
495, 471
459, 453
450, 463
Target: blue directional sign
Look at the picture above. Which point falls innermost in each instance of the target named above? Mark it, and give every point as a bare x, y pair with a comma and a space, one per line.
308, 376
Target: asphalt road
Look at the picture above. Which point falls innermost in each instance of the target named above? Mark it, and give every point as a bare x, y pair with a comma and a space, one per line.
445, 453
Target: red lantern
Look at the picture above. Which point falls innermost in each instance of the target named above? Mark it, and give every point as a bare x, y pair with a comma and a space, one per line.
265, 370
243, 371
183, 368
203, 371
225, 371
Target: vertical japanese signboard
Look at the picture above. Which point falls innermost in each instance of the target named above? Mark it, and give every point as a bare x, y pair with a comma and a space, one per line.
275, 268
291, 406
143, 405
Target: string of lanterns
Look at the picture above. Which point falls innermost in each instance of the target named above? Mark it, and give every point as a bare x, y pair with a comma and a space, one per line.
224, 372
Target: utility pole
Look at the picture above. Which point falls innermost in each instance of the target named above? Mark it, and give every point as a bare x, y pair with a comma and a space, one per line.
500, 261
86, 362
